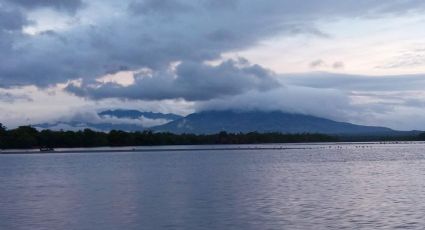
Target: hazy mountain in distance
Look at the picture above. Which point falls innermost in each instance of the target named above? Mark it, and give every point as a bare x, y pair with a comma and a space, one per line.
119, 119
135, 114
209, 122
80, 125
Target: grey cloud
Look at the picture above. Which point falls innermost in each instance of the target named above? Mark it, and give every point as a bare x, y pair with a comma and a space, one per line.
11, 98
63, 5
11, 19
349, 8
338, 65
11, 23
388, 101
408, 58
394, 98
202, 30
294, 99
323, 80
87, 116
164, 7
221, 4
317, 63
191, 81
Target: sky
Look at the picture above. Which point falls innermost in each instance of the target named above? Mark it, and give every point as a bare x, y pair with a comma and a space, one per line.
360, 61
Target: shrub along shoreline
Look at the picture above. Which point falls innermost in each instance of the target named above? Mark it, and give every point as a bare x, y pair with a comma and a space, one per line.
27, 137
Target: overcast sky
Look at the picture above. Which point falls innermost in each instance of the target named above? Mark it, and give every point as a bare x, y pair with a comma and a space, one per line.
360, 61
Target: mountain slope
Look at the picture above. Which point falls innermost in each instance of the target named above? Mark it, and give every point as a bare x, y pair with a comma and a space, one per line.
126, 120
230, 121
80, 125
135, 114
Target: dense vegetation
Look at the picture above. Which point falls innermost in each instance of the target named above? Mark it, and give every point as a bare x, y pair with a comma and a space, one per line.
28, 137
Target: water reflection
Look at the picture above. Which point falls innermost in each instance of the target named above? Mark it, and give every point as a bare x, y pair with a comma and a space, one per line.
318, 188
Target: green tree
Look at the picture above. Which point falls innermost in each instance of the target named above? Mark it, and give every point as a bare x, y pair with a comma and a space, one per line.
2, 136
120, 138
23, 137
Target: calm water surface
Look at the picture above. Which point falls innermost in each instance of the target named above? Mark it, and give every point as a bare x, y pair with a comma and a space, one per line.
369, 186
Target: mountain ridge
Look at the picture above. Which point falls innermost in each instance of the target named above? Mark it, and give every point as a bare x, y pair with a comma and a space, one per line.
132, 120
208, 122
134, 114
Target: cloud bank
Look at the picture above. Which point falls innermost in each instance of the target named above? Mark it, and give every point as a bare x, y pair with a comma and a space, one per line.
175, 49
62, 5
190, 81
153, 34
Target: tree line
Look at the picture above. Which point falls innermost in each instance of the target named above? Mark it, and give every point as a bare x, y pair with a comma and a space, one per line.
26, 137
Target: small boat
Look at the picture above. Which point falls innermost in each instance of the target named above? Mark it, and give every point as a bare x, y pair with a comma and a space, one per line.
47, 149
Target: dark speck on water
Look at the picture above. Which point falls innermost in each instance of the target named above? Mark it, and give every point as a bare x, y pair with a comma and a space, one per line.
338, 186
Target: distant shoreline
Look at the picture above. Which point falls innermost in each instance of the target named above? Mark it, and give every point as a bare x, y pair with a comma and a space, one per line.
244, 147
146, 150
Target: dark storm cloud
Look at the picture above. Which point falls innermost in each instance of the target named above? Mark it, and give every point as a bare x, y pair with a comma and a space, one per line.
155, 33
11, 20
190, 81
64, 5
11, 23
164, 7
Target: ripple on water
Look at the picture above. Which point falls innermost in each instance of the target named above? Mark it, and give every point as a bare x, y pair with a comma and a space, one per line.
319, 187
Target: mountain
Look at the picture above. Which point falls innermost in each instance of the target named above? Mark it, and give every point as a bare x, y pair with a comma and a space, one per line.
209, 122
81, 125
119, 119
231, 121
135, 114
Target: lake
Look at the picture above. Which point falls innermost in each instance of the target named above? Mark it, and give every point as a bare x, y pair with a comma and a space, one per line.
314, 186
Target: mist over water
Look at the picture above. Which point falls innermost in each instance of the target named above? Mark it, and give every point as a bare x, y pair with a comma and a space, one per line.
352, 186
